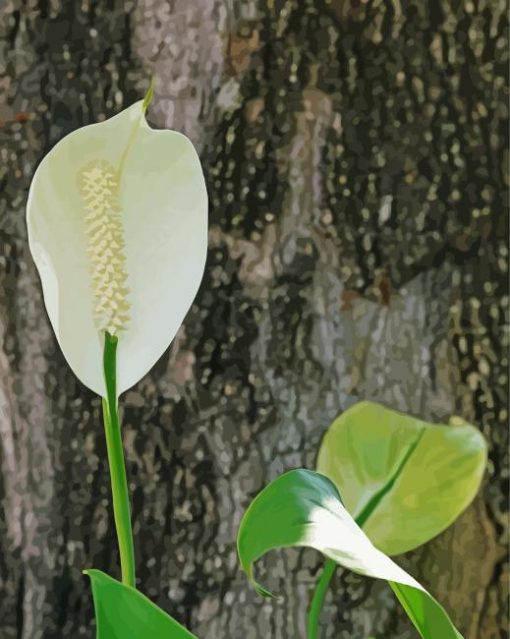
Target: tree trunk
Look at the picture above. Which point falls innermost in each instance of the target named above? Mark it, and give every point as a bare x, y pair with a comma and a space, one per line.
355, 160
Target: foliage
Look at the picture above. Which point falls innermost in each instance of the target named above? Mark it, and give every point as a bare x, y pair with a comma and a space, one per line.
122, 612
404, 480
389, 468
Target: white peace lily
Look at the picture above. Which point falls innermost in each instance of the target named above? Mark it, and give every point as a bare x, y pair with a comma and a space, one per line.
117, 227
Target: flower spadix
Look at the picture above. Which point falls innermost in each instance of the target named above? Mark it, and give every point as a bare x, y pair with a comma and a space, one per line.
117, 227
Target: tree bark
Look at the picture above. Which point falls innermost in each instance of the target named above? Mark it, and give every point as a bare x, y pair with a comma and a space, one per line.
355, 157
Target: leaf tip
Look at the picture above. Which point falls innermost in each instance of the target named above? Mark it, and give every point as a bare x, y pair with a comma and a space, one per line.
260, 590
91, 573
264, 592
148, 96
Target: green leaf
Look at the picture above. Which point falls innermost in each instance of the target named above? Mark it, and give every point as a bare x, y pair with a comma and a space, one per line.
124, 613
303, 508
402, 479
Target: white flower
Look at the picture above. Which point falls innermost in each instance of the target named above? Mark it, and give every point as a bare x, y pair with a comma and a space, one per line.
117, 227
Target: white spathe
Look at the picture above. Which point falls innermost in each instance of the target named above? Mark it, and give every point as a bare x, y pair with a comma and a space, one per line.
154, 214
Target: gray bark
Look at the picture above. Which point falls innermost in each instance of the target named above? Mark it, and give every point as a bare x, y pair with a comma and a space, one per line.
355, 160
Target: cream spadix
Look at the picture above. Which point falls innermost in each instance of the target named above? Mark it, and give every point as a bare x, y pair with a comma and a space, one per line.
117, 227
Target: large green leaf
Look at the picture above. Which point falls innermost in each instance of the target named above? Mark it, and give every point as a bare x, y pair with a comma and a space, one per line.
303, 508
124, 613
402, 479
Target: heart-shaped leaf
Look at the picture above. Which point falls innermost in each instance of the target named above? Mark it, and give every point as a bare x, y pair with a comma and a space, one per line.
303, 508
124, 613
403, 480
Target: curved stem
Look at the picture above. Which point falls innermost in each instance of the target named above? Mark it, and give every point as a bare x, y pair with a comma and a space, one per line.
120, 493
318, 599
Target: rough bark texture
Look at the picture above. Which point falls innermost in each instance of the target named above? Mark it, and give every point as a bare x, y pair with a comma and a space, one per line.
355, 159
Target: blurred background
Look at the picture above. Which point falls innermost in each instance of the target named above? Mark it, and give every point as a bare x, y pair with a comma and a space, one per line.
357, 166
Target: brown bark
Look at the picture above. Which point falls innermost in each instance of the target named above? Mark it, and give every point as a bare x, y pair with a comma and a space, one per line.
355, 160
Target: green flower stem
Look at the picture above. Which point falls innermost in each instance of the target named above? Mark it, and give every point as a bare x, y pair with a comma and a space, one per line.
121, 509
318, 598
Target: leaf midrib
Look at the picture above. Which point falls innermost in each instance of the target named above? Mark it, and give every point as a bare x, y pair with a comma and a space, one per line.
376, 499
